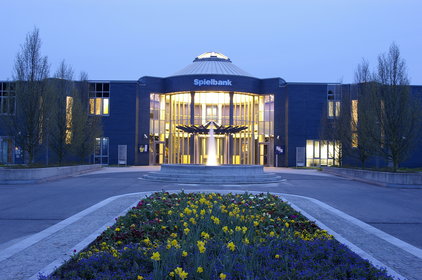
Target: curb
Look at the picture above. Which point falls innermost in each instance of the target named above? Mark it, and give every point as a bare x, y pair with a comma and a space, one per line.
375, 183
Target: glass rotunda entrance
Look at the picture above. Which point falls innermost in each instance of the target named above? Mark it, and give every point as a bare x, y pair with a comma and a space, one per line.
252, 145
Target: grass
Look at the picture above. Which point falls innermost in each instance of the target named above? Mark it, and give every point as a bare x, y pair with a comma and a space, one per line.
213, 236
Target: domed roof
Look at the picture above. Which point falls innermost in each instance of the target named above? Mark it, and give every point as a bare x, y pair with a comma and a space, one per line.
212, 63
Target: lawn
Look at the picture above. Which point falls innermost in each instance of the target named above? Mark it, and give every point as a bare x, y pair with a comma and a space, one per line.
213, 236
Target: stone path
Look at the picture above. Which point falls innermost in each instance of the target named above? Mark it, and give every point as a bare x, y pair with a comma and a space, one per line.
48, 249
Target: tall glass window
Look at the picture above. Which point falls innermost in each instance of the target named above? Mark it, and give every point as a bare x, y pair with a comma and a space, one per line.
101, 151
99, 99
322, 153
254, 145
333, 101
69, 107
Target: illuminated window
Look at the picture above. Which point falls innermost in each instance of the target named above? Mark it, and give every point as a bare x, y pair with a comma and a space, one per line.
333, 100
253, 145
69, 107
354, 123
330, 109
322, 153
99, 99
355, 140
354, 115
7, 99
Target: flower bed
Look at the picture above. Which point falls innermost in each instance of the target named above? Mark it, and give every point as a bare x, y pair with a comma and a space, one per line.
213, 236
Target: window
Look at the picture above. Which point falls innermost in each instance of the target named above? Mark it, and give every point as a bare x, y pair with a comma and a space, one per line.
333, 100
99, 99
6, 150
7, 99
101, 150
322, 153
69, 106
354, 123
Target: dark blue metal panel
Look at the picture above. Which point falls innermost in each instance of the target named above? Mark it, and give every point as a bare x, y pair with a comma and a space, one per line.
119, 126
306, 107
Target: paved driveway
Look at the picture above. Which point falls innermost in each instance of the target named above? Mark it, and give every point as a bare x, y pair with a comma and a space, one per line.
27, 209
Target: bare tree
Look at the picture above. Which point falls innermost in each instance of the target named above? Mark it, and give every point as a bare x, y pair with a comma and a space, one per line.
60, 114
85, 128
380, 116
30, 73
362, 114
398, 112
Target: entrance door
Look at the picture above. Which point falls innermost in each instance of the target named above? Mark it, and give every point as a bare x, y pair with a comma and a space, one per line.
159, 154
263, 153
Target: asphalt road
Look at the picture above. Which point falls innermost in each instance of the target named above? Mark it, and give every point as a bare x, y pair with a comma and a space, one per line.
28, 209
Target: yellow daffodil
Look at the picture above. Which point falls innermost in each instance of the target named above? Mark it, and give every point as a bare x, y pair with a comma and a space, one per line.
201, 246
186, 231
223, 276
184, 253
182, 274
231, 246
205, 235
147, 241
277, 256
187, 211
156, 256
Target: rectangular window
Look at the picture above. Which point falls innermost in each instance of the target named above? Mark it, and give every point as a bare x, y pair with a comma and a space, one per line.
322, 153
99, 99
98, 103
7, 98
337, 108
101, 150
105, 106
354, 123
69, 107
354, 115
6, 150
333, 101
355, 140
330, 109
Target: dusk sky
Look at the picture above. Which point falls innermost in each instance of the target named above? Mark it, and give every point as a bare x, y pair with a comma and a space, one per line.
300, 41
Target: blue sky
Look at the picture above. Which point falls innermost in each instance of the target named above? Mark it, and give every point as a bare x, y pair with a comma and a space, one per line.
300, 41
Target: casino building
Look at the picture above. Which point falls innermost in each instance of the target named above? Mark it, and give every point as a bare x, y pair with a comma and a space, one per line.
267, 122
